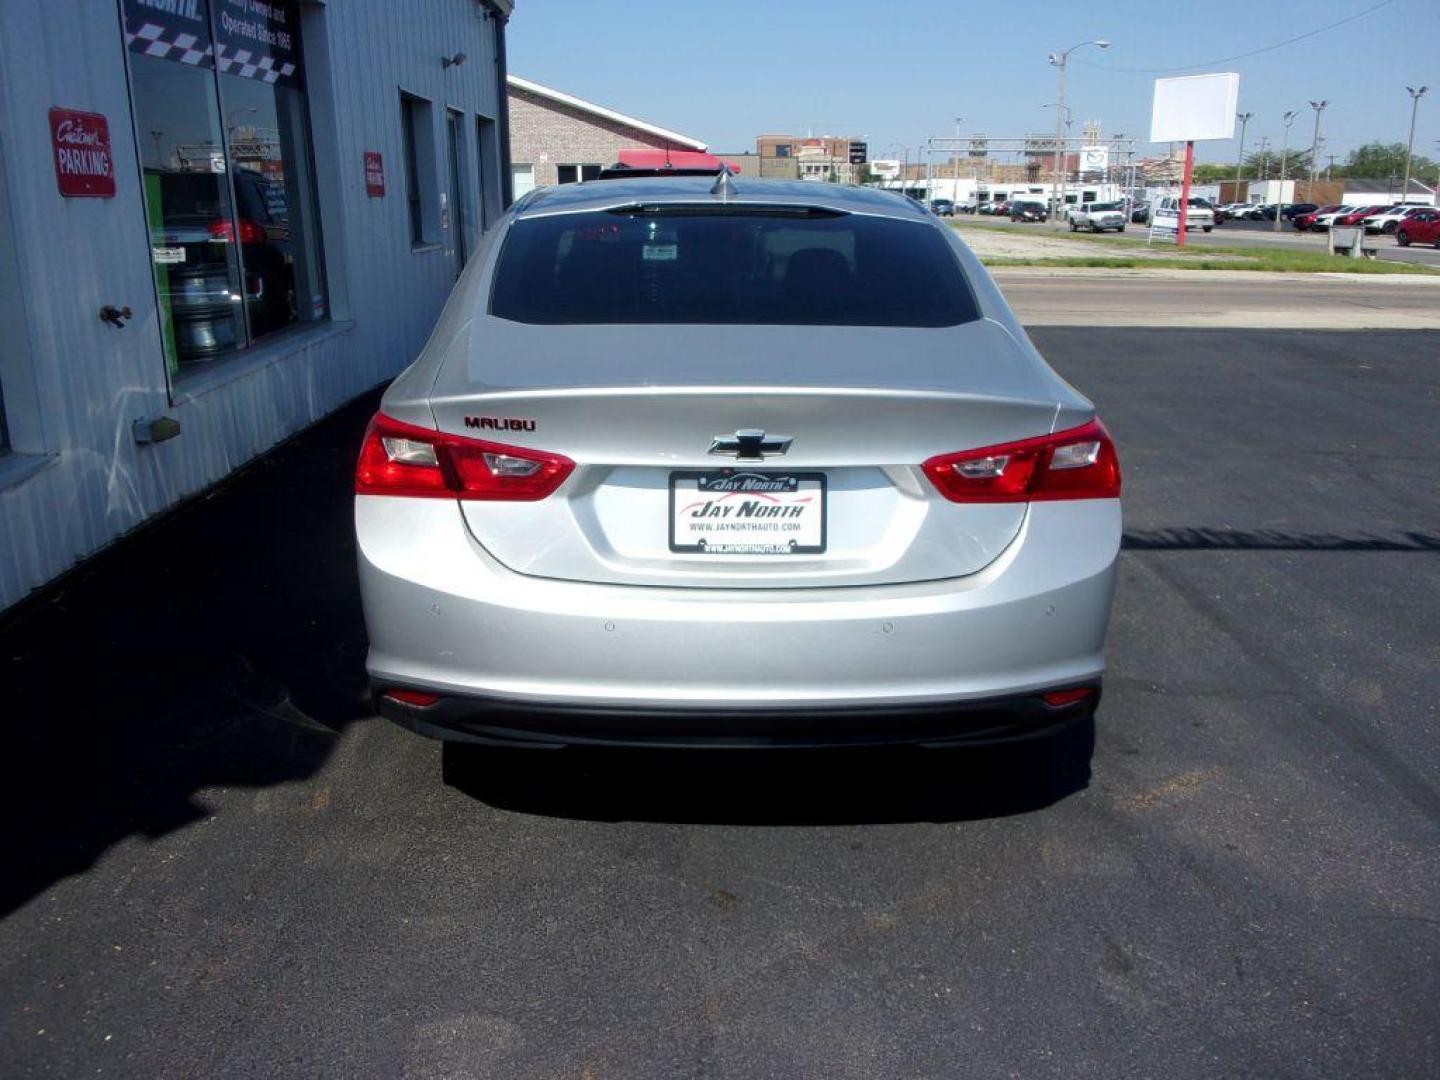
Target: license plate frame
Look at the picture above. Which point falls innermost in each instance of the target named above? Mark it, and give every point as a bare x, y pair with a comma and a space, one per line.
753, 482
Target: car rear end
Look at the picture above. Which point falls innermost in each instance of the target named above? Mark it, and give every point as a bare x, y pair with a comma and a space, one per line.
1106, 217
682, 471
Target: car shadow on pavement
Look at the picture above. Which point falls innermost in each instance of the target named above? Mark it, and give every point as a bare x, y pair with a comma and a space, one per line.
220, 646
778, 787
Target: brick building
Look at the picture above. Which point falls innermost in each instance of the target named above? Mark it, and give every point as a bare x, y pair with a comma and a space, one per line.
556, 138
791, 157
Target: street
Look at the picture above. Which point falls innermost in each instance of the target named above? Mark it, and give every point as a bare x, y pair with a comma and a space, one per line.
223, 865
1230, 234
1078, 296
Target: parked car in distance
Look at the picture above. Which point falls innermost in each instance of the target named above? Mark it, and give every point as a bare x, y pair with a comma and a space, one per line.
1421, 227
1096, 217
1002, 209
1198, 214
1388, 220
986, 208
604, 545
1305, 221
943, 207
1028, 210
1355, 216
965, 206
1140, 213
1322, 221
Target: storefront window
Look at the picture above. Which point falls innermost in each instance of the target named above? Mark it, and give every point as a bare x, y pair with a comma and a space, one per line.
219, 97
570, 174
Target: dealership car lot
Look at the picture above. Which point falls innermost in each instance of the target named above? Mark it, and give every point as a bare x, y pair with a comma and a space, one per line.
222, 864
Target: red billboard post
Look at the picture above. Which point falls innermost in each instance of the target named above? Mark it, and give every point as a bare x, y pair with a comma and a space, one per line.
1191, 109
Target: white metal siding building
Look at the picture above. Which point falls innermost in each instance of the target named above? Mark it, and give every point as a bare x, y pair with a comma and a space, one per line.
285, 197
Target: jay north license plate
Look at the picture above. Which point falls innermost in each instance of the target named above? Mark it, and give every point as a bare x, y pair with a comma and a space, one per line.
739, 512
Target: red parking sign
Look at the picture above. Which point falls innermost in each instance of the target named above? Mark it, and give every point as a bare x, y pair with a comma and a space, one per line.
80, 142
374, 174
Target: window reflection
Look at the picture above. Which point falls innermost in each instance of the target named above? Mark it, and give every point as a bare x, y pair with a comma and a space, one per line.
219, 101
197, 273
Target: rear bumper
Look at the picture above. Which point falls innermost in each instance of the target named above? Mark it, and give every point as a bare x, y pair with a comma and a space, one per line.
445, 617
498, 722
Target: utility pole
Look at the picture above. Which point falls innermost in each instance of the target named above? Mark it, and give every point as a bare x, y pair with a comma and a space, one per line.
1284, 161
1244, 118
1059, 60
1319, 107
1264, 157
1415, 96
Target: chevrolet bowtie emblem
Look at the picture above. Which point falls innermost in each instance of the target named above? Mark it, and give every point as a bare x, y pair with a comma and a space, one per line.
750, 445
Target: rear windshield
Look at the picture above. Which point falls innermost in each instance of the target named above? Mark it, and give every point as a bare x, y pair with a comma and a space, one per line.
700, 266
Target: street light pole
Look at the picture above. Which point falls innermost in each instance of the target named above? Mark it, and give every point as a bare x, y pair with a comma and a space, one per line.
1319, 107
1284, 162
1059, 60
1244, 118
1415, 96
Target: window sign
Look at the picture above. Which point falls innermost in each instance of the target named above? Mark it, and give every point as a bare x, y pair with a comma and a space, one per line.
257, 40
374, 175
84, 166
219, 97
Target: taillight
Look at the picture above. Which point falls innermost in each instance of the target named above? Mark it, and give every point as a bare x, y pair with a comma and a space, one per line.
250, 232
1076, 464
402, 459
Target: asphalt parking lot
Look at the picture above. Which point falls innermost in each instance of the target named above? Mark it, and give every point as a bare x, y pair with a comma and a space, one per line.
220, 864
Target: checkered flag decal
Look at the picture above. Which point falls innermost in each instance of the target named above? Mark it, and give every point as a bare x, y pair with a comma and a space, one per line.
245, 64
152, 40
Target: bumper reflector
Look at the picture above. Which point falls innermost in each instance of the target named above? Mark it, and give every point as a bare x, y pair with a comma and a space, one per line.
1056, 698
420, 698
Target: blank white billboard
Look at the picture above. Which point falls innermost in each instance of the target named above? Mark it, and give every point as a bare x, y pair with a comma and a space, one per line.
1195, 107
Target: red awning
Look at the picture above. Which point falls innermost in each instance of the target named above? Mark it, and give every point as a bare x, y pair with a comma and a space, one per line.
674, 159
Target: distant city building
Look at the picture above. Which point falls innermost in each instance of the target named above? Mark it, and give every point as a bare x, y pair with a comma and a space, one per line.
747, 163
557, 138
839, 159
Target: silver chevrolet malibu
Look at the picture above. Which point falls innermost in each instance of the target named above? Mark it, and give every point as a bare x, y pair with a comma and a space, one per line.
698, 462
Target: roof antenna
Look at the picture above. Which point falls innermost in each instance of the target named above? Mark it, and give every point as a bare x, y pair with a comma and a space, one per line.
724, 186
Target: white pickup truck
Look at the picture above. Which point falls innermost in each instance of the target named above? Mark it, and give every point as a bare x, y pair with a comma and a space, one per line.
1097, 217
1198, 215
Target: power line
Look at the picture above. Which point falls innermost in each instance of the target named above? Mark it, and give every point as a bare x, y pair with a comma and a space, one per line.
1242, 56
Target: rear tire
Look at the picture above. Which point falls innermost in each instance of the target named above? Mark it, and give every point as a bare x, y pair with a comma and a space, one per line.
1120, 228
1207, 228
1390, 226
1403, 238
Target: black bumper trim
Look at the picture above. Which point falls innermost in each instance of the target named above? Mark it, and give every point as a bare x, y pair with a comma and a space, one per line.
502, 722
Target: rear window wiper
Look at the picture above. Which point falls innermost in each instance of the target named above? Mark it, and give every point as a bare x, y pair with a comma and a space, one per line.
728, 209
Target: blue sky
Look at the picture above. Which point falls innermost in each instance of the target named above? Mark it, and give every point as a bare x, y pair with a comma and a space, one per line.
726, 72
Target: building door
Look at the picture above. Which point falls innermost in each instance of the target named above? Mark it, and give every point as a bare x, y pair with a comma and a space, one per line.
455, 130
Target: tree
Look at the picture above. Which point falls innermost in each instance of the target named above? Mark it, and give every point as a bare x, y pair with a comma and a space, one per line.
1383, 161
1266, 165
1213, 174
